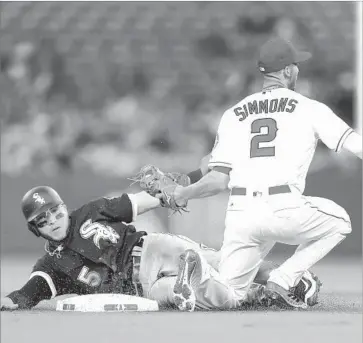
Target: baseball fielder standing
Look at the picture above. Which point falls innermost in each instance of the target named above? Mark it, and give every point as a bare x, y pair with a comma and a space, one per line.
263, 150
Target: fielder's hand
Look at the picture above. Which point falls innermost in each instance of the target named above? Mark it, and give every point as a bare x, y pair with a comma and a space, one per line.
162, 185
8, 305
170, 197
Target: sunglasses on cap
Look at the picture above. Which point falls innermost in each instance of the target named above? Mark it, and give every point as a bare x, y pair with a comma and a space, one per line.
43, 219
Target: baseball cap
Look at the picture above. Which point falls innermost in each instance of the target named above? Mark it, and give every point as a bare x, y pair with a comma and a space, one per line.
277, 53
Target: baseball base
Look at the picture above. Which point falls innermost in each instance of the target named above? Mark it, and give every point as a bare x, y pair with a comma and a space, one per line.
106, 303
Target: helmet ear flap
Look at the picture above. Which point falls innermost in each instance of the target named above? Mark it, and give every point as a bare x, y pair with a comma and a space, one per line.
33, 228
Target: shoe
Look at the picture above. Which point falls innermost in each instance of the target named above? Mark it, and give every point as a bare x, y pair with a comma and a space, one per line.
184, 294
308, 288
287, 297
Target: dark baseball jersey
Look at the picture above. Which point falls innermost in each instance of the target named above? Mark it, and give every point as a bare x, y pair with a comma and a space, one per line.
94, 258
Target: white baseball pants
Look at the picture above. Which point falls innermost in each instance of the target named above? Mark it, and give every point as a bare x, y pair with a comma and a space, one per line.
255, 223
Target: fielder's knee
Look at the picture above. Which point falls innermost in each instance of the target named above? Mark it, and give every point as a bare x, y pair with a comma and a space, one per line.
339, 220
342, 223
345, 229
344, 226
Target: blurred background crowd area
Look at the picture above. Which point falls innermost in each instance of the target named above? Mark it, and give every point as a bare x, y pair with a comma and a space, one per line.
92, 91
111, 86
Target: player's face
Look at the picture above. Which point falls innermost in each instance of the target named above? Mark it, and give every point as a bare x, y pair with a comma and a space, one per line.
53, 224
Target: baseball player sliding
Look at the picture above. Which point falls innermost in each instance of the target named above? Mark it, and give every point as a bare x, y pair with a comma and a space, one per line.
95, 249
263, 149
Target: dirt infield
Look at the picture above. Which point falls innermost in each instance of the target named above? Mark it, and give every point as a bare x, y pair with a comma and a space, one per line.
338, 317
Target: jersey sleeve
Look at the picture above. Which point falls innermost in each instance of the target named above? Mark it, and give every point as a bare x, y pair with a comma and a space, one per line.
58, 282
119, 208
44, 269
222, 153
34, 291
329, 128
44, 283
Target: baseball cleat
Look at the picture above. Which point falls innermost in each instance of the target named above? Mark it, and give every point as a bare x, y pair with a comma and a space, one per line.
308, 288
184, 295
280, 294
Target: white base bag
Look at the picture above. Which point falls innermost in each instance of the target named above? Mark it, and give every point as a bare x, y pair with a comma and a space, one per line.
106, 303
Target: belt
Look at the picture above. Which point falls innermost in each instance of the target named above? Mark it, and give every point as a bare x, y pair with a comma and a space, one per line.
271, 190
136, 259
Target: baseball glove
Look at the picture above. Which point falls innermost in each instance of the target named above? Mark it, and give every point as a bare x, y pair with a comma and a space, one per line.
154, 181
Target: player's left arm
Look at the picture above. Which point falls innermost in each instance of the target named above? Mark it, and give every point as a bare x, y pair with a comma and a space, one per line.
353, 144
334, 132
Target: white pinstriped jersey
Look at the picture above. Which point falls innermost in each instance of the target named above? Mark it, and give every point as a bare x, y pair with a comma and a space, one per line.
270, 138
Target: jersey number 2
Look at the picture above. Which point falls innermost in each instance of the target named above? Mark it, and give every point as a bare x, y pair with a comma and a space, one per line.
256, 126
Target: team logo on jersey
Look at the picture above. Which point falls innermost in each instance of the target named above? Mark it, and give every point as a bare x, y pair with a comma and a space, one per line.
38, 198
98, 231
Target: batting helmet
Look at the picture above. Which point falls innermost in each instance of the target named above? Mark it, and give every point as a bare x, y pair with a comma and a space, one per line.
36, 201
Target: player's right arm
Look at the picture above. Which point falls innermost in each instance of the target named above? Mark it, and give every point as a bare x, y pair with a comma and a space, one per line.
334, 132
44, 283
126, 207
34, 291
143, 202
